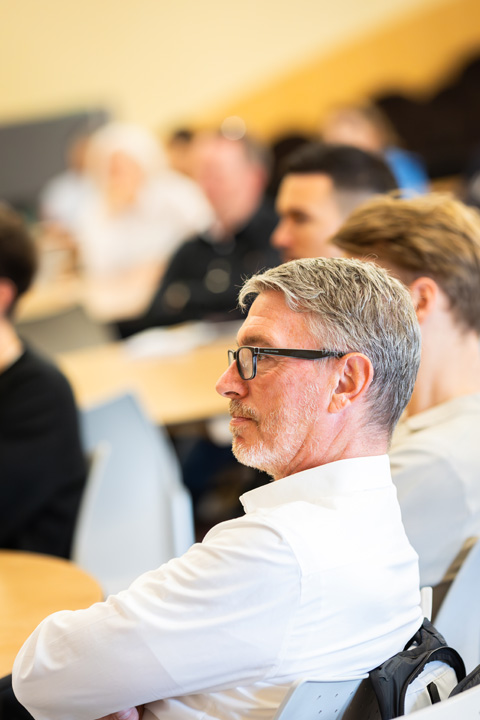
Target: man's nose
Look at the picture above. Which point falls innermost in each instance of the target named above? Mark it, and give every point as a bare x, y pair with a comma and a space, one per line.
230, 384
281, 237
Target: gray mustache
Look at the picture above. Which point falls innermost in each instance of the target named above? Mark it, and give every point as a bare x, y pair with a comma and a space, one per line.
238, 408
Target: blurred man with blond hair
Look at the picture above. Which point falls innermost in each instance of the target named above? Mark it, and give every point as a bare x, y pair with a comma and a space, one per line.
432, 244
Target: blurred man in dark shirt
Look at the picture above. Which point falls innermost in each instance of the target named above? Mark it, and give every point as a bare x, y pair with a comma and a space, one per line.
202, 279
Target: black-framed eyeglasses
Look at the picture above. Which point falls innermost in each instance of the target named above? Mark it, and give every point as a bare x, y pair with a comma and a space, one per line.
246, 357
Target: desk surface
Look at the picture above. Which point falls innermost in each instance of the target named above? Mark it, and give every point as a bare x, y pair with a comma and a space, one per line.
33, 586
172, 389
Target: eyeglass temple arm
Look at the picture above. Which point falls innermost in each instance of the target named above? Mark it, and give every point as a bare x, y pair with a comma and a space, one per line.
300, 353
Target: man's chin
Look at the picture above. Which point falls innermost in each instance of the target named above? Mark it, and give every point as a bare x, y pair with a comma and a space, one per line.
250, 456
239, 447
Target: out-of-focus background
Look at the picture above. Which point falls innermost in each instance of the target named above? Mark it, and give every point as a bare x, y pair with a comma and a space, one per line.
280, 66
146, 216
142, 141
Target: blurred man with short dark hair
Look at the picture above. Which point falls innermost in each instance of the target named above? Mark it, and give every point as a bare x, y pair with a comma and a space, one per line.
321, 185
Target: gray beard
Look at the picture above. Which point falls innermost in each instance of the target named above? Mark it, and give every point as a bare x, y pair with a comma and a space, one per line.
280, 430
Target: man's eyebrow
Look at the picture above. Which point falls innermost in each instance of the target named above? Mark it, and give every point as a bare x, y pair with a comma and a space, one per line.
256, 341
293, 212
298, 212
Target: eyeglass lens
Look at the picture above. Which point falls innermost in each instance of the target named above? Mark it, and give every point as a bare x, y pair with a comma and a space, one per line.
244, 358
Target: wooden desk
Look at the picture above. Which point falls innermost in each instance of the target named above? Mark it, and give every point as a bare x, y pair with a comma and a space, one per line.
33, 586
173, 389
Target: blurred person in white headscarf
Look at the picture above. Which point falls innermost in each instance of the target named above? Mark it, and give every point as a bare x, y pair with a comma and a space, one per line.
141, 210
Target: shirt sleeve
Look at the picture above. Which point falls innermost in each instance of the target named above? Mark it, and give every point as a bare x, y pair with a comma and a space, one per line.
215, 618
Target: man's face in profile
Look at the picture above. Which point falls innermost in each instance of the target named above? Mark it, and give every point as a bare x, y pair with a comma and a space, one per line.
276, 417
309, 216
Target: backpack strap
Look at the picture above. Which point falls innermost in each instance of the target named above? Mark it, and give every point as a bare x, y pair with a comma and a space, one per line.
446, 655
469, 681
391, 679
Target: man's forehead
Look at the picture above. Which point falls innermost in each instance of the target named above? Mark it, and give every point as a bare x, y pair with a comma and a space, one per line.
224, 153
270, 321
305, 187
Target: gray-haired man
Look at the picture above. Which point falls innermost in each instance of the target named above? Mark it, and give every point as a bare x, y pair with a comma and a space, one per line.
317, 578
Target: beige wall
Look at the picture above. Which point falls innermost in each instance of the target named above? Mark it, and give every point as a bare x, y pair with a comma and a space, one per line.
167, 61
416, 55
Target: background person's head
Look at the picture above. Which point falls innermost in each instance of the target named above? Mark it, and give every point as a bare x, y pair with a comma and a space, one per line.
292, 416
18, 259
321, 186
364, 126
179, 146
431, 243
233, 175
122, 157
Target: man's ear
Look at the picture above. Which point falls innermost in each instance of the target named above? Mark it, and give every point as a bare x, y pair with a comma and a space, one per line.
8, 293
355, 374
424, 292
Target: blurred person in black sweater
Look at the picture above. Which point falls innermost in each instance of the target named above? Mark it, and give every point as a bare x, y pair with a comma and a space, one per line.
42, 465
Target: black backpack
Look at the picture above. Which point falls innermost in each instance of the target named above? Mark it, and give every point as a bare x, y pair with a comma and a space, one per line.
392, 679
469, 681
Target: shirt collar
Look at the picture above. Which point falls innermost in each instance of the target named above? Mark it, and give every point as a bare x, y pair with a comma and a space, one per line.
342, 477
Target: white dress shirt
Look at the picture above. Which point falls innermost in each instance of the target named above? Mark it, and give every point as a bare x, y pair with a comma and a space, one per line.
317, 579
435, 462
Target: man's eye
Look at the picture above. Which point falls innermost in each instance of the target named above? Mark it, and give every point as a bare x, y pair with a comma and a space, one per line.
300, 219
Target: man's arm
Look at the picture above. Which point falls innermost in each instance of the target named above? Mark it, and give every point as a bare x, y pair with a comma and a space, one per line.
165, 311
213, 619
